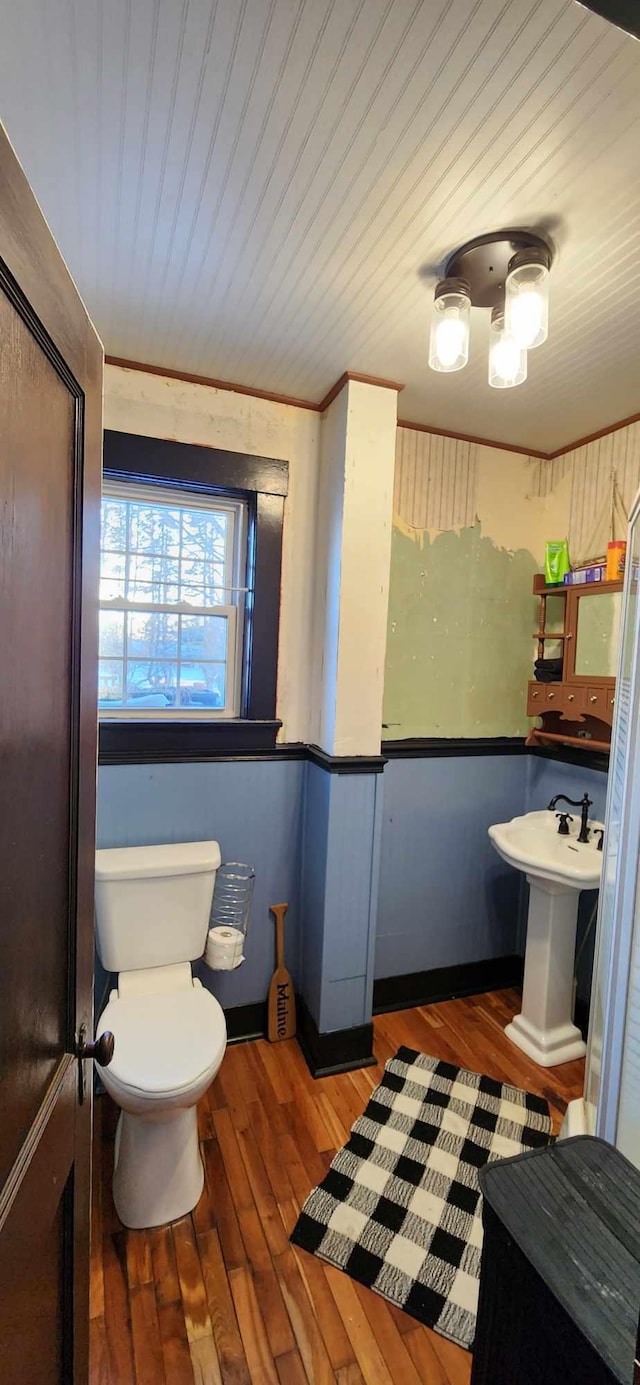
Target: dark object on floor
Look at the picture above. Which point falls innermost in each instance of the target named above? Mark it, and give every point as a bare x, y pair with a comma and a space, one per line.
400, 1208
548, 670
560, 1281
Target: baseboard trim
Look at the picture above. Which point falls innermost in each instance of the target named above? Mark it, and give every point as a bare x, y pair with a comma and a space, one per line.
341, 1050
446, 983
245, 1022
581, 1012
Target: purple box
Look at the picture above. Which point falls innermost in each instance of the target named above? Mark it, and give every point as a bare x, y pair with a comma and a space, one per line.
585, 574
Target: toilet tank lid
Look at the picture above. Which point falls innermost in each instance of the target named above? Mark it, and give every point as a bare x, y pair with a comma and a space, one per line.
176, 858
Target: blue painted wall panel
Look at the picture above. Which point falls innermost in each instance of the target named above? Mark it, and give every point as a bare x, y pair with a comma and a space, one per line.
253, 808
351, 829
445, 895
545, 778
343, 1003
313, 866
339, 895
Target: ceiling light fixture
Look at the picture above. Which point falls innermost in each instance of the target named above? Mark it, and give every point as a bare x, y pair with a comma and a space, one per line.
507, 360
449, 343
507, 271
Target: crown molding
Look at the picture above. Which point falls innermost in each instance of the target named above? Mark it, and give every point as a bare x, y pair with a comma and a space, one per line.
344, 379
290, 400
471, 437
359, 379
593, 437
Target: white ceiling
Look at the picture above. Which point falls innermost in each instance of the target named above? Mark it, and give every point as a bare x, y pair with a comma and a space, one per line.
252, 189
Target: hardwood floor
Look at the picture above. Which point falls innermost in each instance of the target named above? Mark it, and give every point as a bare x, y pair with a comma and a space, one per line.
221, 1296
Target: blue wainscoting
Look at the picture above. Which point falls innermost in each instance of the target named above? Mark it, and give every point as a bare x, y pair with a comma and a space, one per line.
340, 872
545, 778
384, 874
445, 895
253, 808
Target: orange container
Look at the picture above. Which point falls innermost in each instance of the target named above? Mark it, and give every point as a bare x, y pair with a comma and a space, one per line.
616, 553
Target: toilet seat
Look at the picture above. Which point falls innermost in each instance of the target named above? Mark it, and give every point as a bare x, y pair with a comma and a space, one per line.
164, 1043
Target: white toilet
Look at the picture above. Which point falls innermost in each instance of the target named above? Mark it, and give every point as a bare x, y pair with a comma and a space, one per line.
152, 913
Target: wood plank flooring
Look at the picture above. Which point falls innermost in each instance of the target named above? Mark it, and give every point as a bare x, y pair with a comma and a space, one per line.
221, 1296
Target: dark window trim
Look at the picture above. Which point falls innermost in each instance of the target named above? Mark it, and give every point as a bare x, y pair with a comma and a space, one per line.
262, 482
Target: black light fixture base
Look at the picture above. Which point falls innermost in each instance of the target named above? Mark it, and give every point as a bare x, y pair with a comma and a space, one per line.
484, 263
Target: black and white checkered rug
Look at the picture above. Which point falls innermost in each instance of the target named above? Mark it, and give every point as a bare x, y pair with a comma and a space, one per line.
400, 1208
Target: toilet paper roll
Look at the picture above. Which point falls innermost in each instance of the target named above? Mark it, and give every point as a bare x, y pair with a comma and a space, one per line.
224, 948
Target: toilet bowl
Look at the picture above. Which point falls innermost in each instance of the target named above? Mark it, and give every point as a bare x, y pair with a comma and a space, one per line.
152, 913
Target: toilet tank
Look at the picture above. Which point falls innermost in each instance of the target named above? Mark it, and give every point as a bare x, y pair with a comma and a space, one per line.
153, 903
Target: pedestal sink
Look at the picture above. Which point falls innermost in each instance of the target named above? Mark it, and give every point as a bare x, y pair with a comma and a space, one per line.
557, 868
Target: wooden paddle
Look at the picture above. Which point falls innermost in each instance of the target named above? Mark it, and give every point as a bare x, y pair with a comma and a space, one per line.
282, 1001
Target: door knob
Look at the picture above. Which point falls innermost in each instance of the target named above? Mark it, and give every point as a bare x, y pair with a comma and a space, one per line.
101, 1049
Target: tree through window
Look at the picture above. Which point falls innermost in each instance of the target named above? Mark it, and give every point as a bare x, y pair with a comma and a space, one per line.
171, 602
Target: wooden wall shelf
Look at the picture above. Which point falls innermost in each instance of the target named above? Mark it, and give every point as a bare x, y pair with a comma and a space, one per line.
576, 710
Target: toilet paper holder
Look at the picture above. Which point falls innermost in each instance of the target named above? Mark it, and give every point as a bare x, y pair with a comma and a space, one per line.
229, 920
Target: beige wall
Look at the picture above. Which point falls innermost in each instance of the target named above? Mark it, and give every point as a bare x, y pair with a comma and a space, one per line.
156, 406
470, 526
353, 543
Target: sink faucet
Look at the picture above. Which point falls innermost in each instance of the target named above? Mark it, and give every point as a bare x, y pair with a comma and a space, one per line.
584, 803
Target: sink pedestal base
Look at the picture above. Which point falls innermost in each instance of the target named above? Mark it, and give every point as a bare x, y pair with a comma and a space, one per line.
544, 1029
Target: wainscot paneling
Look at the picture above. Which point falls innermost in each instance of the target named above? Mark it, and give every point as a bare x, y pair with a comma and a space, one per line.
446, 898
253, 808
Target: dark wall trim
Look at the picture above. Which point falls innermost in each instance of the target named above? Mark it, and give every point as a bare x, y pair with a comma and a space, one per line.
346, 764
182, 742
433, 747
446, 983
428, 747
342, 1050
131, 456
167, 742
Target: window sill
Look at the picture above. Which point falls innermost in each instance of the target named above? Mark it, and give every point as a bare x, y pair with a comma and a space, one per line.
161, 742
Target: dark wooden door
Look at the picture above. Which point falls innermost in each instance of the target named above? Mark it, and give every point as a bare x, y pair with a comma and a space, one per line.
50, 450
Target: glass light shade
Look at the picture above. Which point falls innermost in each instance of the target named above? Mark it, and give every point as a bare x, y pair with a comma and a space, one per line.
507, 360
526, 307
449, 341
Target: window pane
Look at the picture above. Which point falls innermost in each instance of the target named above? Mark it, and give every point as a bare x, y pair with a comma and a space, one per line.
114, 524
202, 584
112, 571
152, 634
154, 528
204, 534
152, 578
161, 553
151, 683
203, 685
203, 637
112, 633
110, 673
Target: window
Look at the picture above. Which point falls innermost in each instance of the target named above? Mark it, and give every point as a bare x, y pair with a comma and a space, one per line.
172, 601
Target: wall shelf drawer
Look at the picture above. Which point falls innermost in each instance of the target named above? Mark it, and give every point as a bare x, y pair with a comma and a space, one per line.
598, 700
573, 699
535, 698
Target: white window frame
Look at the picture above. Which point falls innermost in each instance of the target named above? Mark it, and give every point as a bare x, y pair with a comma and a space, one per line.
235, 568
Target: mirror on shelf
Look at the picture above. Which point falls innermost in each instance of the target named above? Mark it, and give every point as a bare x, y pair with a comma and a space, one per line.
597, 634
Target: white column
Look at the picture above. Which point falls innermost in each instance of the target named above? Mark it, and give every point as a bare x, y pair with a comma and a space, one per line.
544, 1029
353, 554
